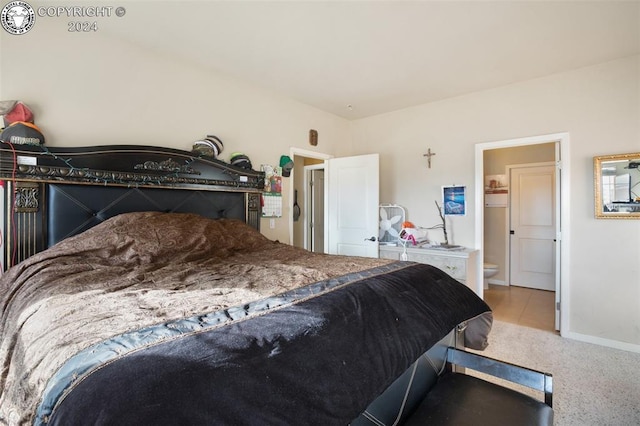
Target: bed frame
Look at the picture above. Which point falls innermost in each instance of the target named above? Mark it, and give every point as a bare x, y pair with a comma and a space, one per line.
53, 193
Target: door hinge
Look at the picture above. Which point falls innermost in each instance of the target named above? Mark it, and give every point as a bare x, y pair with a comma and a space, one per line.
557, 306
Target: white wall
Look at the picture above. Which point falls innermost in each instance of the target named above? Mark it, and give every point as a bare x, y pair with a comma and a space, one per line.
600, 108
90, 89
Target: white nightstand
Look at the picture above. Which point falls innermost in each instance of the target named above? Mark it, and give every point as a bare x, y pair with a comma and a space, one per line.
461, 264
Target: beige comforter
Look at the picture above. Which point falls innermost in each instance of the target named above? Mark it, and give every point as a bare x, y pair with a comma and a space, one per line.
129, 272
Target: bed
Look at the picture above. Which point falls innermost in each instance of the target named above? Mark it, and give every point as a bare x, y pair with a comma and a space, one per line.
142, 292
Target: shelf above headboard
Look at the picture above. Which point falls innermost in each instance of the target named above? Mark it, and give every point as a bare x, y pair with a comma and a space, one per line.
125, 165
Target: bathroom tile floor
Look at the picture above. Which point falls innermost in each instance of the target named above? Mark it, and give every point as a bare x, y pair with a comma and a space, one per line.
523, 306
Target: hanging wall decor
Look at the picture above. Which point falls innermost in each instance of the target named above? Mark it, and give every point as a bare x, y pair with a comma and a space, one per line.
272, 192
454, 200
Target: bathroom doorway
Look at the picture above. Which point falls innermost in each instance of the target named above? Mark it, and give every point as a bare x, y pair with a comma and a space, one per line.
488, 225
512, 167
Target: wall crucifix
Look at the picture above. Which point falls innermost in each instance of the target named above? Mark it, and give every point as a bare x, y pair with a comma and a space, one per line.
429, 154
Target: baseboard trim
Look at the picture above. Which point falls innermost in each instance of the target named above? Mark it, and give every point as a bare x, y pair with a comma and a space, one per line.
614, 344
497, 282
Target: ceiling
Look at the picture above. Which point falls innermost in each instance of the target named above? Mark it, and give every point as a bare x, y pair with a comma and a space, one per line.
361, 58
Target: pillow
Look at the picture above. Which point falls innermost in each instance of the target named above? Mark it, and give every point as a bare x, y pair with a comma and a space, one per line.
156, 237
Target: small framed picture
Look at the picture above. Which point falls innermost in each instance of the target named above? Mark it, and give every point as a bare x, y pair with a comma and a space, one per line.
496, 184
454, 200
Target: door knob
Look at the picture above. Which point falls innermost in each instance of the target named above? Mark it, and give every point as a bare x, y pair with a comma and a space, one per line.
370, 239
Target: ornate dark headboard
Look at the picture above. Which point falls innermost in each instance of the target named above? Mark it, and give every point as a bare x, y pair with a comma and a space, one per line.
54, 193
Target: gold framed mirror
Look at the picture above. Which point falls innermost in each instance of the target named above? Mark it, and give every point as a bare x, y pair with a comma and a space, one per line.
617, 186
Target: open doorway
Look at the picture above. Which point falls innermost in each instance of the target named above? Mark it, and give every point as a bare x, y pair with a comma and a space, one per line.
351, 194
484, 231
313, 204
518, 169
520, 225
300, 189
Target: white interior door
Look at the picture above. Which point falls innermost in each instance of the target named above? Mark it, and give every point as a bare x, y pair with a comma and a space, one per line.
533, 227
352, 198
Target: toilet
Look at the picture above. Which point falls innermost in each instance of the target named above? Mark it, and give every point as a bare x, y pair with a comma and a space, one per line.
489, 270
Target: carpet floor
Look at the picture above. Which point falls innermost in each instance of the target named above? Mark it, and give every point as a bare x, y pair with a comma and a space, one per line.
592, 385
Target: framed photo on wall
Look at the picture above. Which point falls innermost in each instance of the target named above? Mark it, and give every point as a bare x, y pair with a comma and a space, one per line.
454, 200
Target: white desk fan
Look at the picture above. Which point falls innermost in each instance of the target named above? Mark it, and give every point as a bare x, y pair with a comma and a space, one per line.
391, 219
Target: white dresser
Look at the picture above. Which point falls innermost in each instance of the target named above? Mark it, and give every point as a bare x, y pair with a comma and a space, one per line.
461, 264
